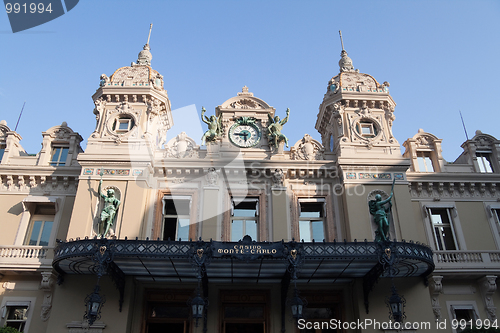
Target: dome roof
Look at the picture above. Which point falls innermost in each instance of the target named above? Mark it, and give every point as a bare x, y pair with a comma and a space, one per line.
136, 75
245, 100
351, 80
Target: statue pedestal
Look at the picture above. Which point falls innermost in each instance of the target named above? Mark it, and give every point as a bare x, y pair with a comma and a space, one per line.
213, 150
277, 153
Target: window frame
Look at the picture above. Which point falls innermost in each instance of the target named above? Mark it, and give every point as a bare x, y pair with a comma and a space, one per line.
461, 305
18, 301
245, 218
3, 147
157, 226
321, 200
481, 157
29, 206
454, 223
29, 231
53, 149
332, 226
177, 216
422, 158
263, 232
493, 214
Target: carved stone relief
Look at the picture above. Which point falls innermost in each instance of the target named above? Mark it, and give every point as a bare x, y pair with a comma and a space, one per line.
307, 149
181, 146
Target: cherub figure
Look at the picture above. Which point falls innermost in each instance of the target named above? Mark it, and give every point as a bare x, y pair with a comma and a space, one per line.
108, 212
214, 127
380, 215
274, 128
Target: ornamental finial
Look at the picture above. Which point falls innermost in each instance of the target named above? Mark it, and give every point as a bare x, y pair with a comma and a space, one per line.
145, 56
345, 62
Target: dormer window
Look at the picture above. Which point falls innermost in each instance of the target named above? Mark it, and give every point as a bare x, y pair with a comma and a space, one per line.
123, 124
484, 162
366, 129
424, 161
59, 156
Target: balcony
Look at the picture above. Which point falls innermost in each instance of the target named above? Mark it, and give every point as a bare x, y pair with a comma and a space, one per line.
25, 257
467, 262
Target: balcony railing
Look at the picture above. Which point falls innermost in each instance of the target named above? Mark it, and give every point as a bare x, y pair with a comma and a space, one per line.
454, 260
23, 256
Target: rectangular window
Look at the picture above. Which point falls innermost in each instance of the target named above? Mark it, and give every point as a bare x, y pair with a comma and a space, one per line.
176, 217
2, 151
311, 220
444, 235
464, 313
59, 156
484, 161
424, 162
123, 124
15, 315
244, 218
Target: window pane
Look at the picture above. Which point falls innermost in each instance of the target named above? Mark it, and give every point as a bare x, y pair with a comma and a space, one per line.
55, 154
428, 164
169, 228
421, 164
64, 155
251, 229
484, 162
123, 125
236, 230
183, 229
244, 212
44, 239
2, 151
35, 232
447, 235
304, 231
17, 313
317, 230
311, 209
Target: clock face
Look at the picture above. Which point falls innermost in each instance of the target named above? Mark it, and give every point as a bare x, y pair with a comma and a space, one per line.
244, 136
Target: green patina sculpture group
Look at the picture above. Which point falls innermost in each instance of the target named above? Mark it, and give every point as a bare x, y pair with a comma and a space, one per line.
108, 212
214, 127
274, 128
380, 215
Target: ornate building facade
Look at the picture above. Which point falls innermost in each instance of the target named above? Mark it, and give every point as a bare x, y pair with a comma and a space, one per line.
248, 231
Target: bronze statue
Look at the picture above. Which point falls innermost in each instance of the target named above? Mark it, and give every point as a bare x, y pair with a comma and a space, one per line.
108, 212
274, 128
380, 215
214, 127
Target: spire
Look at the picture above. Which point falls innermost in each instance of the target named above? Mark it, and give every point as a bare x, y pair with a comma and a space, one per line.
145, 56
345, 62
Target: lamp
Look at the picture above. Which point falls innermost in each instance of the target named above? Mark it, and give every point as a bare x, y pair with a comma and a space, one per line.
93, 305
197, 307
297, 304
396, 306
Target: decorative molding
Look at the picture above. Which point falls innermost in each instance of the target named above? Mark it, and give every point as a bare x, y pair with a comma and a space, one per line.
47, 285
436, 288
36, 183
443, 190
278, 177
83, 327
114, 172
212, 176
488, 287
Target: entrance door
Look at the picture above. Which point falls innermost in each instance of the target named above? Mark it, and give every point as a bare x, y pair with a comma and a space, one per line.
167, 311
244, 311
322, 307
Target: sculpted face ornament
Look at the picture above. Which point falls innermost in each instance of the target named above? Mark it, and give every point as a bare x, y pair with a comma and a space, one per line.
293, 253
199, 253
388, 252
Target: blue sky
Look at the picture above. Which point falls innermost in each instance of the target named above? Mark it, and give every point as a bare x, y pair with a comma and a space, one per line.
439, 57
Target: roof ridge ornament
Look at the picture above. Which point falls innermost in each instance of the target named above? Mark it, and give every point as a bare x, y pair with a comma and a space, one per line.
144, 57
345, 62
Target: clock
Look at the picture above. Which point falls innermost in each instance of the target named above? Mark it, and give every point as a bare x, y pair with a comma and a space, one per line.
245, 133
